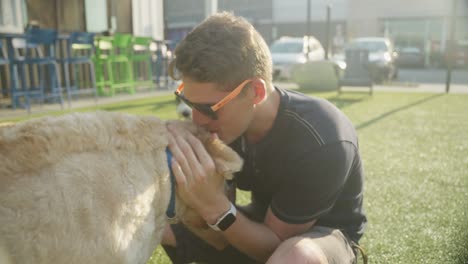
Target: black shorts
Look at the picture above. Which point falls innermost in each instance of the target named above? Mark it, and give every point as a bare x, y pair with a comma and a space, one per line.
191, 248
336, 247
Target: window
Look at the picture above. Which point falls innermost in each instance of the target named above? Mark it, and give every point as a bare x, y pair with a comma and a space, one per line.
11, 16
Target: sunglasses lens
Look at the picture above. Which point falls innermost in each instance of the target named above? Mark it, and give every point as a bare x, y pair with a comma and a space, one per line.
205, 109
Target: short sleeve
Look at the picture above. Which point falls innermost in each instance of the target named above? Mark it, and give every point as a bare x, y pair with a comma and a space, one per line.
314, 181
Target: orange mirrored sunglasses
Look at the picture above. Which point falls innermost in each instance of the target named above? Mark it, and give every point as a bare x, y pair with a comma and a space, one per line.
210, 109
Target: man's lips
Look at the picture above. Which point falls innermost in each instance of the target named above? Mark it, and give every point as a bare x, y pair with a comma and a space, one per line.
211, 129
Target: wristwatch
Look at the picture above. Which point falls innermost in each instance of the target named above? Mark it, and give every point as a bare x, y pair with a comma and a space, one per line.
226, 220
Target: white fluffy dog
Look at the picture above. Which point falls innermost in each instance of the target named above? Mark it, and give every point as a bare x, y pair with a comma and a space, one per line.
90, 188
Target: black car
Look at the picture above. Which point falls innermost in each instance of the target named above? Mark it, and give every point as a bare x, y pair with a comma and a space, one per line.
382, 57
410, 57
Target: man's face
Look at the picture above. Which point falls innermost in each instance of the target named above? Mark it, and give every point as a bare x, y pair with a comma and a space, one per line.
233, 118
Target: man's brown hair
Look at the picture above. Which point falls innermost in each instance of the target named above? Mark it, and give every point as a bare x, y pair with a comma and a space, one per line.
224, 49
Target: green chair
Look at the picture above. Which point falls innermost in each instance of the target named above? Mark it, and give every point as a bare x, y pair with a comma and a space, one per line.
114, 69
141, 59
103, 46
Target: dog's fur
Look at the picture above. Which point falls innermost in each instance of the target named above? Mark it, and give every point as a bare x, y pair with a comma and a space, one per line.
89, 188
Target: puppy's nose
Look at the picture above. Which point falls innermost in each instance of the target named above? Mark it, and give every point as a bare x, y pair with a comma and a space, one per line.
186, 114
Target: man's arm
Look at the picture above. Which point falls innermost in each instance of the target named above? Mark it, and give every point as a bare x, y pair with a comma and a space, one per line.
257, 240
196, 184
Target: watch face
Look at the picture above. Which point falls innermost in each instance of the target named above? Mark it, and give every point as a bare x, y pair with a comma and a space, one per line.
227, 221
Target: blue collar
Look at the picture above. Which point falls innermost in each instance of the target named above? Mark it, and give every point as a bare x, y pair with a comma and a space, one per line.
170, 212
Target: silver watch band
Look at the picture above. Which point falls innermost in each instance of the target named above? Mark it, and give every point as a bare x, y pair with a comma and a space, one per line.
227, 216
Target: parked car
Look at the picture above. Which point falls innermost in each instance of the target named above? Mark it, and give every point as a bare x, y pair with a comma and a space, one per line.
410, 57
287, 52
440, 58
461, 54
382, 57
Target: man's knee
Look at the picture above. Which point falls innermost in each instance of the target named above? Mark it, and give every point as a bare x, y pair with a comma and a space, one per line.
168, 238
298, 250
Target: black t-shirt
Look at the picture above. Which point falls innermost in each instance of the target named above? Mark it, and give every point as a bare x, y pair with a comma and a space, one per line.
307, 167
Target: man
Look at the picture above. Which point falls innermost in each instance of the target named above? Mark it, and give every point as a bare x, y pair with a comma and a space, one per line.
301, 158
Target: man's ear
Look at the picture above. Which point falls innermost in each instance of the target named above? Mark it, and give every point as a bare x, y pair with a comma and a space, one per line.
226, 160
259, 88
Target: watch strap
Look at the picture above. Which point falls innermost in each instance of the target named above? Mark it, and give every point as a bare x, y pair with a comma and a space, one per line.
226, 220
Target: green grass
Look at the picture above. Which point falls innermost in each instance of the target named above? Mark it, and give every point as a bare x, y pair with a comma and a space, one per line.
415, 152
163, 106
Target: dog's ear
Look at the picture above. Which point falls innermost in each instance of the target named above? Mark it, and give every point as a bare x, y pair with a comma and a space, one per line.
226, 160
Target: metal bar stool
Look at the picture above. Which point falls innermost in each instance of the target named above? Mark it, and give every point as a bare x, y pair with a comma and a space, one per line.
3, 54
141, 58
80, 50
44, 41
3, 58
113, 56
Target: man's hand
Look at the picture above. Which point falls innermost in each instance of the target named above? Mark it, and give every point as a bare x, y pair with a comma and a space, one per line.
198, 185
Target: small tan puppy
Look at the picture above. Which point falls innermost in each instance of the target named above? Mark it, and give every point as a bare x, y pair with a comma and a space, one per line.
90, 188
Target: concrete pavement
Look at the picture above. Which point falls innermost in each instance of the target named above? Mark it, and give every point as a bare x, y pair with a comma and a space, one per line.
401, 87
432, 76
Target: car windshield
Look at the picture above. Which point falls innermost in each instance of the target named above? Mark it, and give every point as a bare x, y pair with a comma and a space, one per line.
371, 46
286, 47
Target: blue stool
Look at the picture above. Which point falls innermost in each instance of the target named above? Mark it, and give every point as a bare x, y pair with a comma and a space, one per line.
80, 50
3, 61
3, 55
43, 40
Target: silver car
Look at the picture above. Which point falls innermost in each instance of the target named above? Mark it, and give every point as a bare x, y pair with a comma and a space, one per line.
287, 52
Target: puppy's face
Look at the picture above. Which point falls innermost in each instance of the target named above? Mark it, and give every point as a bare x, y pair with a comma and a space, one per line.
183, 110
226, 160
